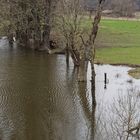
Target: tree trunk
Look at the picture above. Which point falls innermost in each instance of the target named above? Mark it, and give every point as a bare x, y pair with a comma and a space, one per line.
75, 57
67, 55
47, 27
93, 127
82, 70
10, 39
87, 52
46, 36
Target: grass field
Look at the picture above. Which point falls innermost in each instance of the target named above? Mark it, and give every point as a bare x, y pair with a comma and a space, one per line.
119, 55
118, 42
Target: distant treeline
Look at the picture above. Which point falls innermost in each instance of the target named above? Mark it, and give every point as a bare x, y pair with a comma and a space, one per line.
118, 7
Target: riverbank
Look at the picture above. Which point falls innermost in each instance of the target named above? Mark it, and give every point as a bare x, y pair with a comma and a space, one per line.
118, 42
119, 56
35, 86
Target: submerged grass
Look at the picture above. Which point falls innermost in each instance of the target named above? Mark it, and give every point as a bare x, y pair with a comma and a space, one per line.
118, 42
135, 73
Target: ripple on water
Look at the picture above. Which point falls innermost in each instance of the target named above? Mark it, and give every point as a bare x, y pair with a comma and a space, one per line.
40, 98
11, 111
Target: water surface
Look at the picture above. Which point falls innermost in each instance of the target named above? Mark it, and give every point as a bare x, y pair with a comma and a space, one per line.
40, 98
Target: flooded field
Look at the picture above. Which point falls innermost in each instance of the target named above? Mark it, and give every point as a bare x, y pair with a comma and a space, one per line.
40, 99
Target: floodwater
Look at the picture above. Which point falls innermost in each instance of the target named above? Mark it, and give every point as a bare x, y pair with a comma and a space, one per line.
40, 98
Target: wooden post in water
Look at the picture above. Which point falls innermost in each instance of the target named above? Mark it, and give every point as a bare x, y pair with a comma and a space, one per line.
105, 80
105, 75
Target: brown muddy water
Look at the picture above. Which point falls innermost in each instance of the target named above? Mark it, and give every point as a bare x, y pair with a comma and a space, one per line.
40, 99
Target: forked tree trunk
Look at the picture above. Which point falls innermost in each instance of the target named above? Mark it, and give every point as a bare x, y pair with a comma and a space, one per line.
75, 57
88, 50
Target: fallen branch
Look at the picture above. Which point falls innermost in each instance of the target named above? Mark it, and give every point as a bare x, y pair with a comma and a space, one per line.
137, 128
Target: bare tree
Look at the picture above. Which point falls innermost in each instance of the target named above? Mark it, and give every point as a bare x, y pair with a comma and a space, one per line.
87, 53
71, 19
70, 16
124, 116
28, 20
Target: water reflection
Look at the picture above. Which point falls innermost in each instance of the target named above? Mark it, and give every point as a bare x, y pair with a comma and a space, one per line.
40, 98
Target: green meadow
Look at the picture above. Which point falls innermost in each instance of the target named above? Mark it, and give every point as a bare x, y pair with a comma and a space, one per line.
118, 42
